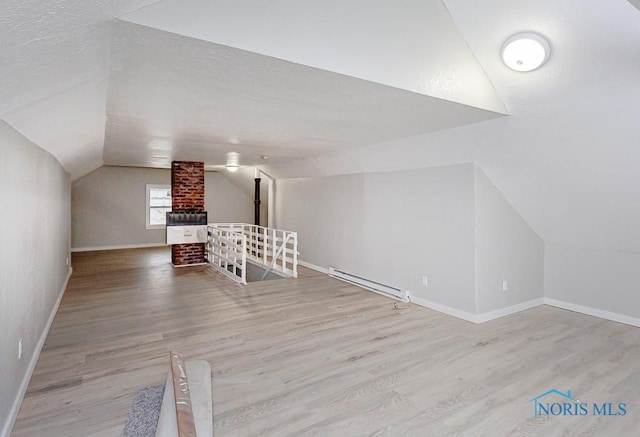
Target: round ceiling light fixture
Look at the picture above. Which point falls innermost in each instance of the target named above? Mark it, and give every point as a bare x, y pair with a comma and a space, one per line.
233, 161
525, 51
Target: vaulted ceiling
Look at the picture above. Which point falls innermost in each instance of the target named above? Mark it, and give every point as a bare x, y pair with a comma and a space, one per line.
332, 87
143, 83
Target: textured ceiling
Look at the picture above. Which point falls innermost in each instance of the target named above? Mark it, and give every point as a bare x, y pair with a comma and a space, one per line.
175, 97
410, 44
568, 155
92, 89
56, 59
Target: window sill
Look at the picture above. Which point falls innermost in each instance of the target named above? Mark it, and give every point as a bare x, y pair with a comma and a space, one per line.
152, 227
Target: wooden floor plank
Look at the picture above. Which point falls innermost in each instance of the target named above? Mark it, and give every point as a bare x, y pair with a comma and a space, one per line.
316, 356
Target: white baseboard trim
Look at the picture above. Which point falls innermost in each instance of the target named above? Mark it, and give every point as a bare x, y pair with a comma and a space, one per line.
189, 265
469, 317
314, 267
17, 402
126, 246
502, 312
607, 315
507, 311
478, 318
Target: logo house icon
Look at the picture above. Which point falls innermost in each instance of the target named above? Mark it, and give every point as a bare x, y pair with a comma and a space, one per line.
537, 401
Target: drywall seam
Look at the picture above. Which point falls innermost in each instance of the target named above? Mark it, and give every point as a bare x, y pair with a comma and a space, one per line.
475, 235
504, 109
15, 408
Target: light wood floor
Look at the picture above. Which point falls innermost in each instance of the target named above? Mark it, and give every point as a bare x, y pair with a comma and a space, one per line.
317, 357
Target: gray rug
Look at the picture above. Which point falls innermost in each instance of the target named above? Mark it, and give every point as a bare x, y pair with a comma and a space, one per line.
143, 418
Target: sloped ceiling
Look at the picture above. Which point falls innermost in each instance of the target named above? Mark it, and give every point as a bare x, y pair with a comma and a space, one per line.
411, 44
568, 155
158, 85
340, 87
56, 60
178, 97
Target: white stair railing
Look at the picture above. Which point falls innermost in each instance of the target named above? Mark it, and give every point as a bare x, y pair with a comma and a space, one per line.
274, 249
227, 253
275, 257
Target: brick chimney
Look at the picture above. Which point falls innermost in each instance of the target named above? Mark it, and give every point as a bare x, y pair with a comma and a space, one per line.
187, 195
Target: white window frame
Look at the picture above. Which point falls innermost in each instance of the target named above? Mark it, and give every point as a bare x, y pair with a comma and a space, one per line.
148, 224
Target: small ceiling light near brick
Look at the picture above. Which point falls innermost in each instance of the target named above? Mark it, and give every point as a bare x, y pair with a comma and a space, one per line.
233, 161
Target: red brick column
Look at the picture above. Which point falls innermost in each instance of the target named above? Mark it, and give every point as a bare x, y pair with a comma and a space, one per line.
187, 195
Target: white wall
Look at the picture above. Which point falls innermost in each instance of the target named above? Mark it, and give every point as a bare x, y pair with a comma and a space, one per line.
243, 179
35, 236
448, 223
327, 213
604, 280
108, 206
226, 202
506, 249
390, 227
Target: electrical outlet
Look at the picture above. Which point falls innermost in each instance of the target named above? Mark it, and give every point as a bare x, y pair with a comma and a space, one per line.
425, 281
20, 349
505, 286
67, 260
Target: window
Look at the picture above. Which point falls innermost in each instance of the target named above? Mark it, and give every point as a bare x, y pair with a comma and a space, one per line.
158, 204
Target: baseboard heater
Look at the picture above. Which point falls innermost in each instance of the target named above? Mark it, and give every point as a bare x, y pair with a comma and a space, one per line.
385, 290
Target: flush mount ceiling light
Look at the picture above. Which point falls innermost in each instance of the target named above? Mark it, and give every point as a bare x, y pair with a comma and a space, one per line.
233, 161
525, 51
